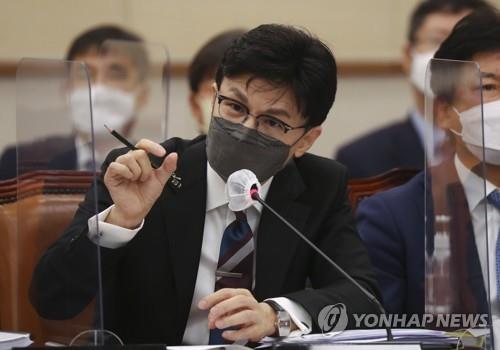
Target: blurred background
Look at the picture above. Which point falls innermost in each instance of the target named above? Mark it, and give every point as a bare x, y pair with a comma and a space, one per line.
366, 37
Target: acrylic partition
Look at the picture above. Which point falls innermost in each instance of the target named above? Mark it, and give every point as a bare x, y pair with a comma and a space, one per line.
58, 278
460, 230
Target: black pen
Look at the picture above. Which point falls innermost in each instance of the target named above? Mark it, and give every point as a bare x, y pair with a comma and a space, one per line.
156, 161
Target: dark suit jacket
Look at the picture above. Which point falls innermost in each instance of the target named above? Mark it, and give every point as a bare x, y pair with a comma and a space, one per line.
393, 227
394, 146
54, 152
149, 283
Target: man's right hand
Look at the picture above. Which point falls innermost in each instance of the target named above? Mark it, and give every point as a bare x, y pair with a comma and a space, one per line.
134, 185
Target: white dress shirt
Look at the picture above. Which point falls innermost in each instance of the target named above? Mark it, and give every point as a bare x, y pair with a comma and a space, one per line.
474, 188
84, 155
217, 218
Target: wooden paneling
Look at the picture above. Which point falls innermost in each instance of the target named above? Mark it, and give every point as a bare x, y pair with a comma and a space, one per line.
345, 69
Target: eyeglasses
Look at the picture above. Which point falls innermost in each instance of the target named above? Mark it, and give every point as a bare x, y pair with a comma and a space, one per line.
237, 112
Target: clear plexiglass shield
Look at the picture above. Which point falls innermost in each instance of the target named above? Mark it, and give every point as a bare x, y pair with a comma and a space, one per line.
129, 87
56, 280
65, 113
461, 223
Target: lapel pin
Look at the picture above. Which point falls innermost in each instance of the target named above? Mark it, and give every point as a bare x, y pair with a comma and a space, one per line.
175, 181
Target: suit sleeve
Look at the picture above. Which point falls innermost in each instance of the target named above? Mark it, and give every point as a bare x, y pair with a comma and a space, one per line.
339, 239
66, 279
379, 230
8, 164
68, 276
344, 158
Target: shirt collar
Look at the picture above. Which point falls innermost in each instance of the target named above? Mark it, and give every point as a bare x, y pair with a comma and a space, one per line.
83, 153
216, 190
473, 184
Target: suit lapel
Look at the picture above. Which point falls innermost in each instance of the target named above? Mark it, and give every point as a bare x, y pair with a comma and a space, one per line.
409, 146
275, 242
184, 218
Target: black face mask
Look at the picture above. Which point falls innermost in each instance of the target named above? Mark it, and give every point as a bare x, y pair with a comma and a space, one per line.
232, 147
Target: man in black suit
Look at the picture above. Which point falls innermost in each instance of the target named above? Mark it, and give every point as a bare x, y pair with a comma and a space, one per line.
434, 228
401, 144
115, 77
163, 248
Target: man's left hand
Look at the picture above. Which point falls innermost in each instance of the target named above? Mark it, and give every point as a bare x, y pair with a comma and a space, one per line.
237, 307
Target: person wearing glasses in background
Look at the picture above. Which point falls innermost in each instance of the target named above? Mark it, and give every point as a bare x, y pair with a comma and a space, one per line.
118, 94
405, 226
182, 267
401, 144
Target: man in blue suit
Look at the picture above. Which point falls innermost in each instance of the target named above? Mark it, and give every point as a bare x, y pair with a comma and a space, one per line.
396, 246
393, 223
400, 144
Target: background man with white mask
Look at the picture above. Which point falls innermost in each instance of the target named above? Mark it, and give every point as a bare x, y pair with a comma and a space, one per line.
118, 93
401, 144
118, 68
452, 211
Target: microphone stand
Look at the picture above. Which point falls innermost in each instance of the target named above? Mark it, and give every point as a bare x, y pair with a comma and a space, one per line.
255, 196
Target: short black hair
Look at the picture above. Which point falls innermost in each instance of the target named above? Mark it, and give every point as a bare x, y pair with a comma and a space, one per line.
95, 37
476, 33
287, 57
207, 59
428, 7
124, 41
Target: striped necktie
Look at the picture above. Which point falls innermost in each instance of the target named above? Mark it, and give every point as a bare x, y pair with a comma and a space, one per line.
235, 266
494, 199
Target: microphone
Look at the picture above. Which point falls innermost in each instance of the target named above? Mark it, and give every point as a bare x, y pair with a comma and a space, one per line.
242, 191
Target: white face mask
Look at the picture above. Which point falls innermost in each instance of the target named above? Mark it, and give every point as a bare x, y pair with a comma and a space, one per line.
206, 113
419, 63
472, 131
110, 106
